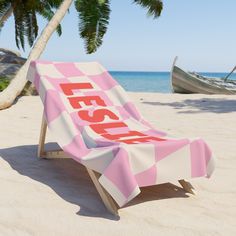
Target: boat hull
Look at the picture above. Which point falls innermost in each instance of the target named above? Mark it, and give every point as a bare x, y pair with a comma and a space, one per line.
184, 82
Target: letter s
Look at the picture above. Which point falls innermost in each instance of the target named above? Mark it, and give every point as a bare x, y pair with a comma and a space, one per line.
97, 116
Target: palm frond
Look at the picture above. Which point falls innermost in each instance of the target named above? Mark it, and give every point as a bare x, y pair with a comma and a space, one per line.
5, 11
25, 15
52, 3
31, 27
93, 22
4, 7
154, 7
19, 36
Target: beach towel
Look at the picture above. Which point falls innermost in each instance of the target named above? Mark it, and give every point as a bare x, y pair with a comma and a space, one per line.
95, 123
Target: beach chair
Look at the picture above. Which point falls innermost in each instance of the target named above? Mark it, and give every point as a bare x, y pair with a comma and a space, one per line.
95, 123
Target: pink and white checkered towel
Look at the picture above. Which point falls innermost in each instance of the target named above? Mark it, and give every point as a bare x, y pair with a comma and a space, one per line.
94, 121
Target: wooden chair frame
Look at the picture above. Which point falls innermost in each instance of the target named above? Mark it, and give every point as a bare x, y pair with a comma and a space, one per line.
108, 201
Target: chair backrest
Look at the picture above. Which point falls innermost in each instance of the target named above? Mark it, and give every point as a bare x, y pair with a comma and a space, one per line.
84, 98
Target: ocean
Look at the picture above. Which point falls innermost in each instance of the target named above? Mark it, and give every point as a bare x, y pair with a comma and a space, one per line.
152, 81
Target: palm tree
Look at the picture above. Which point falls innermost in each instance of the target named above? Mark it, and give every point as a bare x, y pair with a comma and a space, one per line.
93, 22
25, 15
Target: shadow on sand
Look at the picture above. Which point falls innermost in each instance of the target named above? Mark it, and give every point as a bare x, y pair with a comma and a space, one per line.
71, 181
213, 105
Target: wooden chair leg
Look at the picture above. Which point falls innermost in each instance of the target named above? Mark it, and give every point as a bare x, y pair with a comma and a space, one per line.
187, 186
106, 198
42, 137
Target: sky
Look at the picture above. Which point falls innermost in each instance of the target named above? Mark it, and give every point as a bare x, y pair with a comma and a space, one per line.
201, 33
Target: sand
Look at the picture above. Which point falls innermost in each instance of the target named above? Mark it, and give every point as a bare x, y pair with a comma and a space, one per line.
56, 197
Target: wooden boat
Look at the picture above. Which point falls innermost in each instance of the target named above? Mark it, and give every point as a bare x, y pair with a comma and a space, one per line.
191, 82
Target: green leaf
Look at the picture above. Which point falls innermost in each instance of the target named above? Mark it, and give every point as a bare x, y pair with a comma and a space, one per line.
25, 14
4, 82
93, 22
154, 7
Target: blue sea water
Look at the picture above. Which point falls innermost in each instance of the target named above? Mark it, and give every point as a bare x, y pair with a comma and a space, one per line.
151, 81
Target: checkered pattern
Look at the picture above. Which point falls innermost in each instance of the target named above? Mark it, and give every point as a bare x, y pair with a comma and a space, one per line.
123, 167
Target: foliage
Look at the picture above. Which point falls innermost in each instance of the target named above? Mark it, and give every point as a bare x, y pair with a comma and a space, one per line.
154, 6
93, 17
3, 83
25, 16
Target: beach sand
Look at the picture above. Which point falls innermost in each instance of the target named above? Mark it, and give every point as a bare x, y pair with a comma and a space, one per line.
56, 197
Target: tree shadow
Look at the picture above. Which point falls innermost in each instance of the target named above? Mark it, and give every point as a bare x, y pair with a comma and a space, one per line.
213, 105
71, 181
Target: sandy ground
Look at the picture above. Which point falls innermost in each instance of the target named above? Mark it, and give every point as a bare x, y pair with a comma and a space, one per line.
56, 197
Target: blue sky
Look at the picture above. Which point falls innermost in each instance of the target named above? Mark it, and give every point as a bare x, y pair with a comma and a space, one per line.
202, 33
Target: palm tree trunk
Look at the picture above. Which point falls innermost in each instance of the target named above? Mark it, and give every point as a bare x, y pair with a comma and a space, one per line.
6, 16
8, 96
